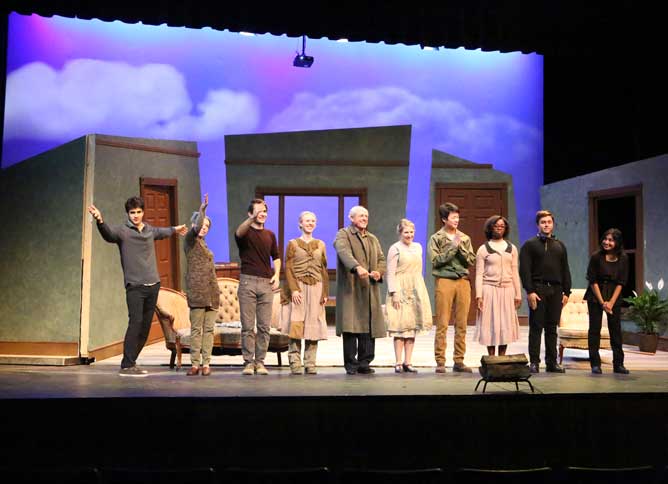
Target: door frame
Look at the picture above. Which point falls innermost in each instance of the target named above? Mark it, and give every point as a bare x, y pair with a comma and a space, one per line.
472, 186
618, 192
173, 184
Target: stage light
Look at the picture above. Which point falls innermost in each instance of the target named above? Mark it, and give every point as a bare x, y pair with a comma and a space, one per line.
303, 60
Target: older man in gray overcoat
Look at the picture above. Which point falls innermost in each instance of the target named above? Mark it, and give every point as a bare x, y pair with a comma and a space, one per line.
359, 271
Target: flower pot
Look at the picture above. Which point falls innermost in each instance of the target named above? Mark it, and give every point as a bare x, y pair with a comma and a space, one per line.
647, 343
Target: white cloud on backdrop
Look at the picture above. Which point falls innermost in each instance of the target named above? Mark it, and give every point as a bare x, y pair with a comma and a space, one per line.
89, 95
444, 124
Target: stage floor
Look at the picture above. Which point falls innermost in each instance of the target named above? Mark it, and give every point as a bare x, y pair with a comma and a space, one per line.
649, 374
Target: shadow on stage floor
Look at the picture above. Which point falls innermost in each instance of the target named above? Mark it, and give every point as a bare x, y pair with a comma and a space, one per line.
90, 416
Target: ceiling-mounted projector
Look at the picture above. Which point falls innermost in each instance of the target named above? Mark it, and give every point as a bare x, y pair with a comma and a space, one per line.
303, 60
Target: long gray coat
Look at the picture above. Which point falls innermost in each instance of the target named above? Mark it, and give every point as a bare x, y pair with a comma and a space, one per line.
354, 301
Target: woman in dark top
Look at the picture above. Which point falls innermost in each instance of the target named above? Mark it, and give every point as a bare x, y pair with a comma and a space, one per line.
607, 274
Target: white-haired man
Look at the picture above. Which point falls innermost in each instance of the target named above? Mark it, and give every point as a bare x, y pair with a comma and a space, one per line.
359, 271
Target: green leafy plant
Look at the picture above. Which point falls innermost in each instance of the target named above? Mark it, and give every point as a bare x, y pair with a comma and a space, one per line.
648, 309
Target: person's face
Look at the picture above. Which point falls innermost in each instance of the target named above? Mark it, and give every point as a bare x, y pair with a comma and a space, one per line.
407, 235
608, 243
452, 222
136, 215
546, 225
308, 223
498, 229
360, 220
261, 210
205, 228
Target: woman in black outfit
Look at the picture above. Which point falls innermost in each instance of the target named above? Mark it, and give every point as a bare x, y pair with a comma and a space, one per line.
607, 274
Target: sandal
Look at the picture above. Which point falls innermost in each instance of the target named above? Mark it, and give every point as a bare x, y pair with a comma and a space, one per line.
408, 368
398, 368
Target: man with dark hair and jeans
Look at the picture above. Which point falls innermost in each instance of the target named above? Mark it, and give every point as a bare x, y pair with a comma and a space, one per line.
140, 274
451, 256
547, 281
257, 282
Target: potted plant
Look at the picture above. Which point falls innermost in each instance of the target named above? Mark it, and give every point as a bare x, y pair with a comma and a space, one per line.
648, 310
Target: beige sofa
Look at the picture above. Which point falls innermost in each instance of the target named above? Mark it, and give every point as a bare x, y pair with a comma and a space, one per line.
574, 325
173, 314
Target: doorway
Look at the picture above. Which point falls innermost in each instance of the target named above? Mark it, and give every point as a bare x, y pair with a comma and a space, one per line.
620, 208
160, 199
477, 202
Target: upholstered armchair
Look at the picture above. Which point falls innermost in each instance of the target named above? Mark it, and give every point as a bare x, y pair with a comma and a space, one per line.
227, 331
574, 325
174, 315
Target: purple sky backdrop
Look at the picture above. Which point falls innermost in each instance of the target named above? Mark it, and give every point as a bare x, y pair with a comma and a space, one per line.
70, 77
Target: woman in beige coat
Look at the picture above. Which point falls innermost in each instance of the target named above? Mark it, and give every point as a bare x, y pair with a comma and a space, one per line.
304, 295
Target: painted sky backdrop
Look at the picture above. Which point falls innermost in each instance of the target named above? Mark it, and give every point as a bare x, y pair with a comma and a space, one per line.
70, 77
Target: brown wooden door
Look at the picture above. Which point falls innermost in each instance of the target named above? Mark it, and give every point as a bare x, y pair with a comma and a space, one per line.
160, 211
477, 202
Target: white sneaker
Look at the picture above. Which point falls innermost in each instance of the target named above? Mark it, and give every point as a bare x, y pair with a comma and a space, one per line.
260, 369
249, 369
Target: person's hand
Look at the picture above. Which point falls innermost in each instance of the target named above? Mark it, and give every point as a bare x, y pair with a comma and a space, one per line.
324, 300
564, 300
181, 230
478, 301
274, 281
362, 272
607, 307
297, 297
205, 203
533, 299
257, 208
396, 301
518, 303
375, 275
95, 213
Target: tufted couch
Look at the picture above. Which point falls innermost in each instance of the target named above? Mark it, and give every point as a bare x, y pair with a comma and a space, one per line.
574, 325
174, 315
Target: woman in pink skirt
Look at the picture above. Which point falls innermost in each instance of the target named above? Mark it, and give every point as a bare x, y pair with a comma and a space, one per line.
304, 295
497, 288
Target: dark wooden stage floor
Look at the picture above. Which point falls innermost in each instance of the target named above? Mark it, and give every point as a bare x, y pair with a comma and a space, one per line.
88, 415
96, 381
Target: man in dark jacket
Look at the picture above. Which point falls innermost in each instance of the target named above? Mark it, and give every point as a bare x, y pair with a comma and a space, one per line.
359, 271
547, 281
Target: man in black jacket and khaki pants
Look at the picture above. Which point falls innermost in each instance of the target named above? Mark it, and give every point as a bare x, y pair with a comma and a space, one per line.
547, 281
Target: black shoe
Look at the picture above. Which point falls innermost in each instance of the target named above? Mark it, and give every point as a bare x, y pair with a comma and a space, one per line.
462, 368
133, 371
398, 368
365, 370
352, 371
533, 368
408, 368
596, 370
621, 369
555, 368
